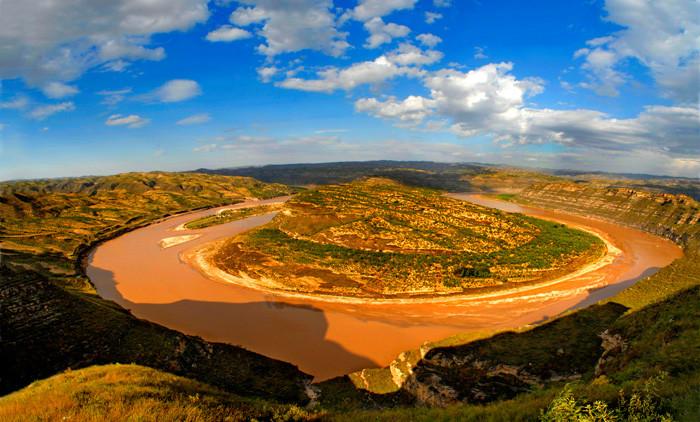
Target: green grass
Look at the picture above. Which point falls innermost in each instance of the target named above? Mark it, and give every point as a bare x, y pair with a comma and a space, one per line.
389, 238
46, 328
135, 393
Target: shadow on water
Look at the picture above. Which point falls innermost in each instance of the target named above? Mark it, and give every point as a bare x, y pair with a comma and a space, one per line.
596, 295
289, 332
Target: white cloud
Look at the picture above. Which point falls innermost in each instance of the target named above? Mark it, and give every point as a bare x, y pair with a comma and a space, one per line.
176, 90
490, 100
228, 33
412, 110
293, 25
663, 35
479, 53
57, 90
116, 65
114, 97
266, 73
131, 121
368, 9
332, 79
382, 33
44, 111
18, 103
194, 119
429, 40
442, 3
408, 54
431, 17
58, 41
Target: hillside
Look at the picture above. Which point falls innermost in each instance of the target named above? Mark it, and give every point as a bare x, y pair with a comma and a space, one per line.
644, 341
376, 237
51, 318
131, 392
646, 334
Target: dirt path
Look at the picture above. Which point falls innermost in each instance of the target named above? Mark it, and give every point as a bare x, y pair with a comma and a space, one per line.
328, 339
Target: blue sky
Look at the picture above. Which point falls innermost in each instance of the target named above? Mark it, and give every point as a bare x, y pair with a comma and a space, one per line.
99, 87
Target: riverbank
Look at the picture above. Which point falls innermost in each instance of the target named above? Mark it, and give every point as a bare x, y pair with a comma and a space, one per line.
330, 339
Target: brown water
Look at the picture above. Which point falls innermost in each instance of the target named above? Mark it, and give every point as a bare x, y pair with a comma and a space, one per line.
330, 339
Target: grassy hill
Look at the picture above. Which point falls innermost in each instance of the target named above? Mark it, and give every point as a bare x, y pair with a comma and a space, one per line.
136, 393
649, 334
377, 237
643, 342
51, 318
57, 219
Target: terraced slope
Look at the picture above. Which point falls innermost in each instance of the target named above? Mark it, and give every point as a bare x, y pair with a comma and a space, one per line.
376, 237
56, 219
50, 317
647, 332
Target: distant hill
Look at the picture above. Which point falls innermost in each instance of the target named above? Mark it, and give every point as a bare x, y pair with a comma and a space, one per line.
448, 176
453, 177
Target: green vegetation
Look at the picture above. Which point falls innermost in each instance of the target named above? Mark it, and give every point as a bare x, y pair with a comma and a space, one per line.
574, 365
228, 216
135, 393
51, 318
378, 237
642, 406
58, 219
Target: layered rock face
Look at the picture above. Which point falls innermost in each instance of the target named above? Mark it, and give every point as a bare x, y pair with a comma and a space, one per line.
672, 216
589, 343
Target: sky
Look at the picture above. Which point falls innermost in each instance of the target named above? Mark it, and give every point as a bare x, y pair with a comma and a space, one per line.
105, 86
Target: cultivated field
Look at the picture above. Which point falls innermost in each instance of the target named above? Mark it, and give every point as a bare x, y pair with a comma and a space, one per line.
376, 237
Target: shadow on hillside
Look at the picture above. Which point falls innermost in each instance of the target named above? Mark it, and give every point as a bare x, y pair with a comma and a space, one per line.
284, 331
596, 295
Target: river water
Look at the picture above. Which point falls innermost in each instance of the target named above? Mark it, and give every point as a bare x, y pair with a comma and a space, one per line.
330, 339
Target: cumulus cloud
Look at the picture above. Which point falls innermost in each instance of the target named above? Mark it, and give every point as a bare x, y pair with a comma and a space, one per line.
194, 119
491, 101
176, 90
429, 40
332, 79
57, 90
431, 17
406, 60
292, 25
58, 41
408, 54
131, 121
662, 35
382, 33
44, 111
368, 9
266, 73
412, 109
228, 33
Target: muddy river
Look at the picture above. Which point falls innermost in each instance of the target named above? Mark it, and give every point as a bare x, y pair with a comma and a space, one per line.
327, 339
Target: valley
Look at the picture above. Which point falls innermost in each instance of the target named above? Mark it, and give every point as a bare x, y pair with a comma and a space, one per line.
328, 336
526, 333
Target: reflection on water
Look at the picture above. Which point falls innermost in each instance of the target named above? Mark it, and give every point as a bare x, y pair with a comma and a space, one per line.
327, 339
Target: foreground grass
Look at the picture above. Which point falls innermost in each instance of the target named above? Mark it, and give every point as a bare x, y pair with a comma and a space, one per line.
135, 393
